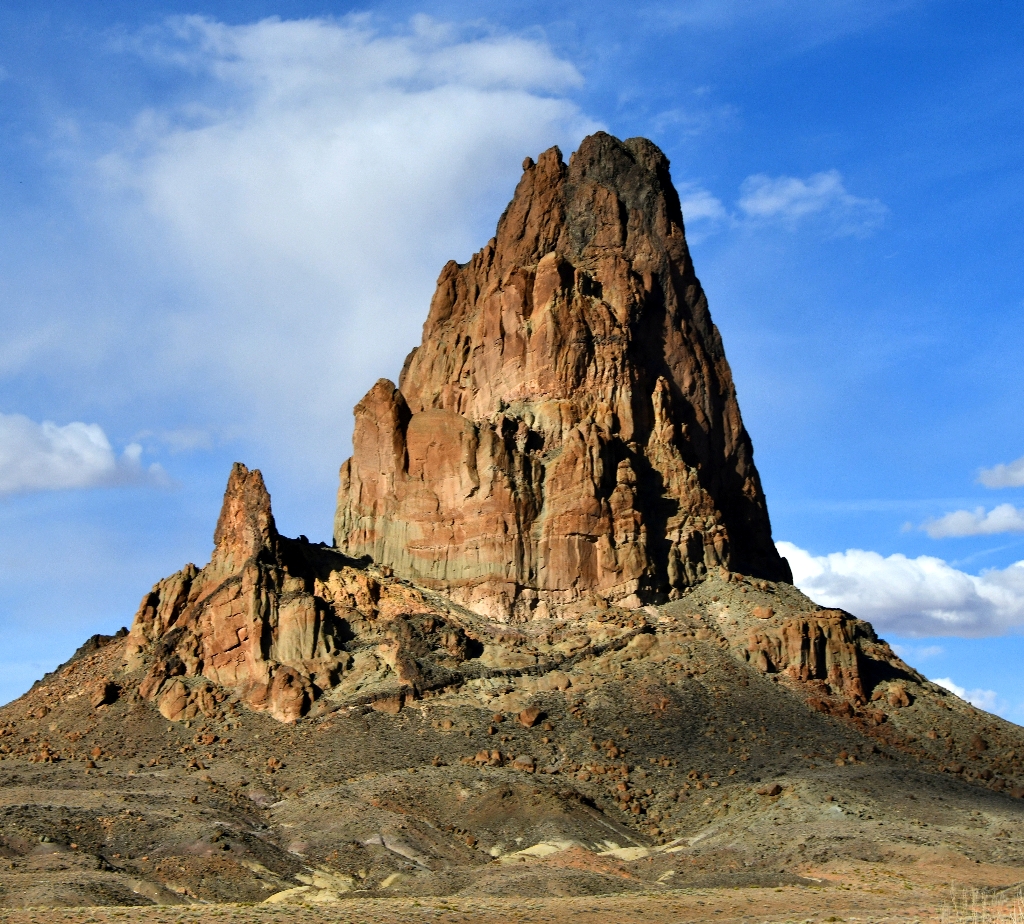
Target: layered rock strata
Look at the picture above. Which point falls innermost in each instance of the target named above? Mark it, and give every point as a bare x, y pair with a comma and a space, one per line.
568, 429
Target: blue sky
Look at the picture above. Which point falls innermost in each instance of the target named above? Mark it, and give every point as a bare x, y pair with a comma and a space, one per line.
221, 222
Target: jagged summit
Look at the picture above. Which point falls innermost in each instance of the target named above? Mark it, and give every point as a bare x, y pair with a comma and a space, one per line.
568, 427
247, 621
246, 523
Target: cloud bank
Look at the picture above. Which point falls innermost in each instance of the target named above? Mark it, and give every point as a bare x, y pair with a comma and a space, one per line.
47, 457
1003, 476
1002, 519
921, 596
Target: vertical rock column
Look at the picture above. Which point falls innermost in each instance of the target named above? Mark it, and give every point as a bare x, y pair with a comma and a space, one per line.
568, 428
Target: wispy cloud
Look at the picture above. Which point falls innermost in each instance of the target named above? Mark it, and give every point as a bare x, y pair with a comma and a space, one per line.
1010, 475
821, 201
695, 120
789, 200
983, 699
19, 350
47, 457
922, 596
914, 654
703, 212
1002, 519
183, 439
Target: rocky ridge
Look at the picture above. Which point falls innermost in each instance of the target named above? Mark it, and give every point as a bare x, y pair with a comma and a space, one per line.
282, 625
738, 736
290, 725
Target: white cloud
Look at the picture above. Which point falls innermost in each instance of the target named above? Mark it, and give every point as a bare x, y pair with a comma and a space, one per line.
296, 61
983, 699
302, 194
789, 200
1002, 519
46, 457
700, 205
1003, 475
784, 200
921, 596
703, 212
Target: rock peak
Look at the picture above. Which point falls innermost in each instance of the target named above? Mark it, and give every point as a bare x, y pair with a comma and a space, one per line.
582, 208
568, 428
246, 524
247, 620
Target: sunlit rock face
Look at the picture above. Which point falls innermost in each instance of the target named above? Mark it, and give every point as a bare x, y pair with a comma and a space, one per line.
568, 429
248, 621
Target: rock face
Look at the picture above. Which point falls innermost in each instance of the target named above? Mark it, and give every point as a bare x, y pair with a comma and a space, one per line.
243, 622
568, 426
819, 646
275, 623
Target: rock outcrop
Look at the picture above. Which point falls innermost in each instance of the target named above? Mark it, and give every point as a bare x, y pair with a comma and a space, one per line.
568, 429
565, 447
275, 623
244, 622
818, 646
279, 624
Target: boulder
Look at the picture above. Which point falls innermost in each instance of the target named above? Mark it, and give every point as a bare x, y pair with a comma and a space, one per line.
104, 692
530, 716
174, 701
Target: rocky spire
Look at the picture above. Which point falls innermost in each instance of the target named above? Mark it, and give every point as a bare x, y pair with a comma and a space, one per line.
568, 429
247, 621
245, 526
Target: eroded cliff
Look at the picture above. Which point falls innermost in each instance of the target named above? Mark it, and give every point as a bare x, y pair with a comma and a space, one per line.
568, 429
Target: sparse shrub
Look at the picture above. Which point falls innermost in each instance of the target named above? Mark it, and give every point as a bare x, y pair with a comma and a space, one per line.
972, 906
